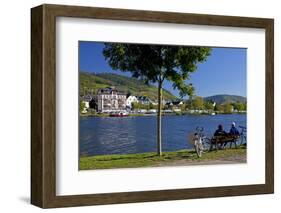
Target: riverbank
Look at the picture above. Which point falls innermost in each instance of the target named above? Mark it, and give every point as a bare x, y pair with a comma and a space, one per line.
177, 158
154, 114
107, 115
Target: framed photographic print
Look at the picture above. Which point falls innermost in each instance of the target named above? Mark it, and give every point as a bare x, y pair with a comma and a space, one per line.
136, 106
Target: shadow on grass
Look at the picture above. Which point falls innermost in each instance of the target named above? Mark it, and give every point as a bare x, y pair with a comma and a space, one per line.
145, 156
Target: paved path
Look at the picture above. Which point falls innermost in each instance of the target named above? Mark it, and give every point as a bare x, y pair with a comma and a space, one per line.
226, 160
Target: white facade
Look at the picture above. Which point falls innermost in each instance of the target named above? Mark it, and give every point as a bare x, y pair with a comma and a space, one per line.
131, 99
110, 100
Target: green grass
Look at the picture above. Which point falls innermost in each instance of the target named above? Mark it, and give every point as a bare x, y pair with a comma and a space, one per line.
151, 159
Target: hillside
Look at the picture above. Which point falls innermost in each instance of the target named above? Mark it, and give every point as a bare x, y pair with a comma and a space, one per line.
90, 81
222, 99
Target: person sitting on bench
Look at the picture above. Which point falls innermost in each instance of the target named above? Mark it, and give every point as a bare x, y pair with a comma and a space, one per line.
220, 131
233, 130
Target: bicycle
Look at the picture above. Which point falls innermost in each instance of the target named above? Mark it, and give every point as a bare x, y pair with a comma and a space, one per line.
200, 142
243, 135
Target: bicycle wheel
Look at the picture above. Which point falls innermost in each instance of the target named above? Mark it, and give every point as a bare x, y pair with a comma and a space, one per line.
244, 140
207, 144
199, 150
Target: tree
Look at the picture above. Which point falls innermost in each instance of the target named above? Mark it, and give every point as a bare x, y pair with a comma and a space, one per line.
239, 106
208, 106
183, 107
155, 64
151, 106
228, 108
245, 106
198, 103
219, 108
82, 106
136, 105
189, 104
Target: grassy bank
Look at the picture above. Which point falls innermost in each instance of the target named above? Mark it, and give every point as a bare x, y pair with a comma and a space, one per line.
151, 159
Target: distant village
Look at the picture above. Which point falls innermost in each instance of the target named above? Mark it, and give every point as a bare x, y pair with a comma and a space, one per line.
109, 101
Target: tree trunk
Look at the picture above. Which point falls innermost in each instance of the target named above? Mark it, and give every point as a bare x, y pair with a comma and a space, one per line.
159, 113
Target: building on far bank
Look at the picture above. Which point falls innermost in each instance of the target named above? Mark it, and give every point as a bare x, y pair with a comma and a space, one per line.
174, 105
144, 100
131, 99
110, 99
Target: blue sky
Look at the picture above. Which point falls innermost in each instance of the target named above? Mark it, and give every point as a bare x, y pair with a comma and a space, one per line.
224, 72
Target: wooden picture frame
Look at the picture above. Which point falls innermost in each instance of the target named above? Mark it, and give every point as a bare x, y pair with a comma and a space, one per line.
43, 105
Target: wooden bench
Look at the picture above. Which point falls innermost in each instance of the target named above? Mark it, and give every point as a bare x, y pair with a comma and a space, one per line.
223, 140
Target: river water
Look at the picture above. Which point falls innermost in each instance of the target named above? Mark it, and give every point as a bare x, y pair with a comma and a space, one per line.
127, 135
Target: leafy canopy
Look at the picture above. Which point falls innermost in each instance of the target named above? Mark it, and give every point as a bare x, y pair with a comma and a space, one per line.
156, 63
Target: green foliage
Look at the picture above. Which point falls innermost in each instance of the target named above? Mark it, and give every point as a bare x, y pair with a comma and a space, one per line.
245, 106
81, 105
155, 63
219, 108
239, 106
183, 107
227, 108
198, 103
151, 106
208, 105
136, 106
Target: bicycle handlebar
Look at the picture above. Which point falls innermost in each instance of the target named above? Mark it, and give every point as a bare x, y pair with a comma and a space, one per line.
198, 129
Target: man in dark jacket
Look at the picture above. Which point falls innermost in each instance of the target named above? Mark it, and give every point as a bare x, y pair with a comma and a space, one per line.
220, 131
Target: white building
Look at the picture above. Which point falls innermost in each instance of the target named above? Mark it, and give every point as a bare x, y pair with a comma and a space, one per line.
131, 99
144, 100
109, 99
174, 105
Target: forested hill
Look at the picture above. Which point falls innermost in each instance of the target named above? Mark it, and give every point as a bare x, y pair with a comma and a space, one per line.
90, 81
222, 99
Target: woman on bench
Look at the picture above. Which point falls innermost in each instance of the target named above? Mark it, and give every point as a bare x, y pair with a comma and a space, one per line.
233, 130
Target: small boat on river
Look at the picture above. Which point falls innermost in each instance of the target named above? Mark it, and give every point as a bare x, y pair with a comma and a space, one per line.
119, 114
